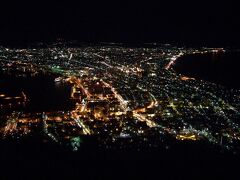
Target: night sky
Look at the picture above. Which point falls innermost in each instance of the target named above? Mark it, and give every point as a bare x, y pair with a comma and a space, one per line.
196, 22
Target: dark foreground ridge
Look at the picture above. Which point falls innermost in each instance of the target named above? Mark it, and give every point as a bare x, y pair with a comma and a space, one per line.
31, 159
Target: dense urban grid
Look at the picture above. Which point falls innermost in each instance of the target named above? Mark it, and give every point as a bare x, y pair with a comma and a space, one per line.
123, 96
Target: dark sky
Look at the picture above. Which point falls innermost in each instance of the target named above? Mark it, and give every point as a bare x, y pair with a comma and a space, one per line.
200, 22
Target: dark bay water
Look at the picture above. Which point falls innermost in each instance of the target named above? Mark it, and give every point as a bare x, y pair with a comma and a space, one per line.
220, 68
41, 90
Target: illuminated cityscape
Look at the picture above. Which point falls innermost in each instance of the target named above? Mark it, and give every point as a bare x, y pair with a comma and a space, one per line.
125, 97
119, 90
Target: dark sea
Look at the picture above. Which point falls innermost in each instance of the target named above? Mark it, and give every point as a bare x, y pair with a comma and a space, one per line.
221, 68
42, 92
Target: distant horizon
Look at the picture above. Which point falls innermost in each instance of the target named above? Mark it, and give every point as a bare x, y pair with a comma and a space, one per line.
29, 43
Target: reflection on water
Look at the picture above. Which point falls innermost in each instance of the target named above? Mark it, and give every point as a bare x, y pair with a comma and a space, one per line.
33, 94
221, 68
